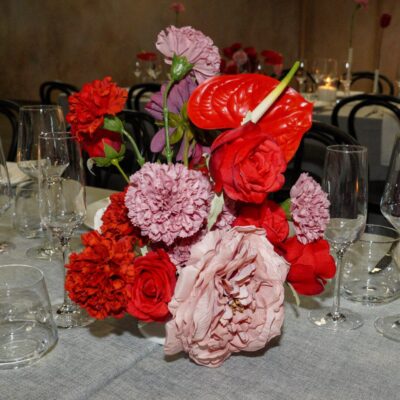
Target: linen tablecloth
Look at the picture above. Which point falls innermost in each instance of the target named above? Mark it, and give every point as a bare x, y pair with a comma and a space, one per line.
110, 360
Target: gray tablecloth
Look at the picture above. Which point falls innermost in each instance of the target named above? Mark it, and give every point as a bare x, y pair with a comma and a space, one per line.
110, 360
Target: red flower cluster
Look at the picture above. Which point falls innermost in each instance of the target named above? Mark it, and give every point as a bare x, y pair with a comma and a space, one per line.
146, 56
89, 106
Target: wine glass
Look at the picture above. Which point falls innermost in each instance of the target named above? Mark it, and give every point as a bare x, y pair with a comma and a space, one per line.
345, 77
33, 120
62, 205
318, 70
5, 196
345, 181
301, 75
390, 208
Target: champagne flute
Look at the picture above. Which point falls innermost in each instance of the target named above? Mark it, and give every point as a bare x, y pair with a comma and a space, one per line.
33, 120
390, 207
345, 181
62, 205
345, 77
5, 197
301, 75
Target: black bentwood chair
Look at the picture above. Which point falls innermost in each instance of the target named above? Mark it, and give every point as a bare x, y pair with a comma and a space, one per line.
50, 89
385, 85
10, 110
136, 93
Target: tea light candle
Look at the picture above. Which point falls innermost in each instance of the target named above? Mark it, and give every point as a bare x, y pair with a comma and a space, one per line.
327, 92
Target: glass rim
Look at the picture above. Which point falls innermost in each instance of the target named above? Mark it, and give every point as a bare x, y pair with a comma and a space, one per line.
25, 266
35, 107
385, 239
347, 148
56, 135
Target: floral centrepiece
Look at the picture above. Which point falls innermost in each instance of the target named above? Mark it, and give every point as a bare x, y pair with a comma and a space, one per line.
196, 239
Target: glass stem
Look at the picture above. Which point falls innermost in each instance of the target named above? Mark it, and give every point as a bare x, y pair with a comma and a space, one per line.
338, 282
65, 248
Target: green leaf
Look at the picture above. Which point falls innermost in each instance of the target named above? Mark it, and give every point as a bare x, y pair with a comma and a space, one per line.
110, 152
177, 135
286, 207
216, 208
295, 295
113, 124
101, 161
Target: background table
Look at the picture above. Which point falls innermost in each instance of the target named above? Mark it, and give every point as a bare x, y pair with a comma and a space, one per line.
110, 360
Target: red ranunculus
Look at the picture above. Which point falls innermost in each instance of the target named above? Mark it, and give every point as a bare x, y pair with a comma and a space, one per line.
269, 216
94, 145
146, 56
116, 223
247, 164
153, 287
89, 106
97, 278
310, 265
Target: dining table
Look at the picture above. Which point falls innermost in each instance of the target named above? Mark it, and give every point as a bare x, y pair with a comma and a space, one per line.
110, 359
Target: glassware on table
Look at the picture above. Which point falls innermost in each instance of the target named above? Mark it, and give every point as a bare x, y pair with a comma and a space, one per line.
345, 77
26, 210
5, 197
33, 120
318, 70
398, 79
63, 205
301, 75
390, 208
345, 181
27, 328
371, 266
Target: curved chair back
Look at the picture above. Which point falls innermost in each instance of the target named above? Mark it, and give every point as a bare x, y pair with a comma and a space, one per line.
384, 83
10, 110
136, 93
48, 88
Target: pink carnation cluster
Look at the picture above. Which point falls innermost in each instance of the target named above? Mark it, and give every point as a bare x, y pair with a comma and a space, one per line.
168, 201
309, 209
228, 298
195, 46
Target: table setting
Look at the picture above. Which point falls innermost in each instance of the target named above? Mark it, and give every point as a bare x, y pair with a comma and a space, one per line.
193, 281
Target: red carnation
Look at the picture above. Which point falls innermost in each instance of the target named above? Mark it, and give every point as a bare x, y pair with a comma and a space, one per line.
89, 106
310, 265
97, 277
269, 216
153, 287
116, 223
247, 164
146, 56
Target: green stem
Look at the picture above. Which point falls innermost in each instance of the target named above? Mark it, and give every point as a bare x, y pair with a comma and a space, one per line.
186, 150
139, 157
168, 152
116, 164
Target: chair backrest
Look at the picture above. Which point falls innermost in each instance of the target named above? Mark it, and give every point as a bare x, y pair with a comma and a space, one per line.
384, 83
136, 93
10, 110
48, 88
360, 101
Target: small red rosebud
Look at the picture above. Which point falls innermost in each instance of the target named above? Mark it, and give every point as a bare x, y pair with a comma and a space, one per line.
95, 145
385, 20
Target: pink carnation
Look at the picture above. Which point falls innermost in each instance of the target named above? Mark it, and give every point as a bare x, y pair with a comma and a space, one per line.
167, 202
195, 46
309, 209
229, 297
227, 216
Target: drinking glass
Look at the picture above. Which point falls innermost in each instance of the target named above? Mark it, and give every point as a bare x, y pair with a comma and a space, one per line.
5, 197
398, 79
27, 329
62, 205
345, 181
301, 75
318, 70
345, 77
33, 120
390, 208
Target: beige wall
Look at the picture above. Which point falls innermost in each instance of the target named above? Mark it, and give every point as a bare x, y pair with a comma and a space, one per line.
80, 40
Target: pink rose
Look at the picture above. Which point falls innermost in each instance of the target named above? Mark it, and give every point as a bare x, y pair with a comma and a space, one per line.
229, 297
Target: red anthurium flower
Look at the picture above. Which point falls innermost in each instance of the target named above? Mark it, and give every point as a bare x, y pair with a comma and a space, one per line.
385, 20
247, 164
310, 265
223, 101
146, 56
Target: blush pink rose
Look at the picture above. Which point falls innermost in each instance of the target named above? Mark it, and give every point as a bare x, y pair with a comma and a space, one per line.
228, 298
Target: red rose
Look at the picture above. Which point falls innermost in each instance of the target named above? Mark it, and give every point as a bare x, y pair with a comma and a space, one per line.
116, 223
269, 216
146, 56
310, 265
153, 287
94, 145
247, 164
97, 277
89, 106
